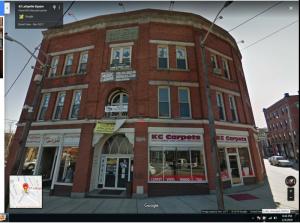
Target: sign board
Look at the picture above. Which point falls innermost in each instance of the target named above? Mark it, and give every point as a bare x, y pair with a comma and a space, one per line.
109, 76
232, 140
116, 108
122, 34
175, 139
71, 139
33, 140
102, 127
51, 140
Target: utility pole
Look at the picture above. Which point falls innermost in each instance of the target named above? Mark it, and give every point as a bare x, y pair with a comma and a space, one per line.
39, 80
211, 120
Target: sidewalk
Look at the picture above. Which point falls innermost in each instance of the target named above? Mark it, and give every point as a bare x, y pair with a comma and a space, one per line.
174, 204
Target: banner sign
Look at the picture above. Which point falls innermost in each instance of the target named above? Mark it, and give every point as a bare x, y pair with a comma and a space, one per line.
109, 76
175, 138
170, 178
51, 140
102, 127
231, 139
116, 108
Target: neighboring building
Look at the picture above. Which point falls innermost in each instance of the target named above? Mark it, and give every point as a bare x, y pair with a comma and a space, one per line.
124, 100
263, 143
283, 126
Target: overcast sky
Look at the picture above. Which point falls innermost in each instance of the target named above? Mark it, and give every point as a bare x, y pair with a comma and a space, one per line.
271, 66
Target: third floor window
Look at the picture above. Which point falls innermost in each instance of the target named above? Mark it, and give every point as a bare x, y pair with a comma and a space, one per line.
43, 107
59, 105
221, 107
53, 68
163, 57
181, 58
82, 67
121, 57
68, 64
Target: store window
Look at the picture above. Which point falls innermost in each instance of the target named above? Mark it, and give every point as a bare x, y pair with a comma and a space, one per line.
59, 105
164, 102
221, 107
120, 57
184, 103
181, 58
173, 164
53, 68
163, 57
75, 105
30, 160
67, 164
82, 67
245, 162
68, 64
44, 107
223, 164
233, 109
226, 68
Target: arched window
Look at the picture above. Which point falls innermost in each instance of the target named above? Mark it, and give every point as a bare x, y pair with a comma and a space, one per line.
117, 144
117, 106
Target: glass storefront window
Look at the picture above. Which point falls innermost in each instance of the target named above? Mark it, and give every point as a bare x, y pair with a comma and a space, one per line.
30, 160
67, 164
245, 162
223, 164
170, 164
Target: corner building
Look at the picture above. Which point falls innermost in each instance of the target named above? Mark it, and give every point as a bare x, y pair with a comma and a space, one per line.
124, 101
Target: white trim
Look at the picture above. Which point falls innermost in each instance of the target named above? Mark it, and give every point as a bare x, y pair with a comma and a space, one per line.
54, 131
235, 93
169, 102
121, 44
121, 49
72, 50
66, 184
174, 83
175, 130
218, 53
231, 132
71, 87
168, 60
238, 165
167, 42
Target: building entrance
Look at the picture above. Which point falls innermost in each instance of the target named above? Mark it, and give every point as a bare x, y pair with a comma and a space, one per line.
234, 167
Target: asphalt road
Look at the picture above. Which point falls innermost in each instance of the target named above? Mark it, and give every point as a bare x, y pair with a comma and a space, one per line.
276, 177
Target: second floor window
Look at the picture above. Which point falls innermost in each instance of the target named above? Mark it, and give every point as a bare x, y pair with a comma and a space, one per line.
214, 62
221, 107
82, 67
226, 68
53, 68
184, 103
181, 58
44, 107
164, 102
233, 109
75, 105
121, 57
59, 105
68, 64
163, 59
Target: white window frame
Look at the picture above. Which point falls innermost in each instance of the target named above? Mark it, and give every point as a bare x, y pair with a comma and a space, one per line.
56, 104
158, 101
41, 105
186, 58
80, 61
65, 64
168, 58
189, 101
53, 66
72, 104
226, 67
215, 59
222, 104
121, 56
233, 106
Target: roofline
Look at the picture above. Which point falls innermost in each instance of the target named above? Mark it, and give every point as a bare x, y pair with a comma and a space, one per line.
277, 102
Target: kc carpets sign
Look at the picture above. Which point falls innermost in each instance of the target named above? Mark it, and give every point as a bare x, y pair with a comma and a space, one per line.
174, 138
232, 139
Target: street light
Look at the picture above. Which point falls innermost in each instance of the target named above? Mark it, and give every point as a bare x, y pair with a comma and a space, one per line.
211, 120
38, 79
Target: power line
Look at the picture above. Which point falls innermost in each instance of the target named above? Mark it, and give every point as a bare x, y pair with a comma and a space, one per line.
70, 6
171, 6
271, 34
277, 3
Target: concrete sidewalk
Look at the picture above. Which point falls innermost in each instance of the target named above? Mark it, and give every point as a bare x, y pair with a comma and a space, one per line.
172, 204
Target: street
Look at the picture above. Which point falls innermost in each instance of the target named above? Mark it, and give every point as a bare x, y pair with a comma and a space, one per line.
276, 176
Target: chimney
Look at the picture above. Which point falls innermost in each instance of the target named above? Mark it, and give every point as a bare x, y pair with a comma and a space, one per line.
286, 95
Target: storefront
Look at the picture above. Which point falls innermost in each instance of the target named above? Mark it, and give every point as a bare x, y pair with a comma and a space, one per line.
176, 161
234, 157
52, 154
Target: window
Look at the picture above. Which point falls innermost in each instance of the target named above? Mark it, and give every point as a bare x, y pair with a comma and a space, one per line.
221, 108
164, 102
59, 105
163, 57
245, 162
233, 109
184, 103
120, 57
214, 62
30, 160
181, 58
226, 68
75, 105
67, 164
43, 107
53, 68
117, 104
82, 67
68, 64
173, 164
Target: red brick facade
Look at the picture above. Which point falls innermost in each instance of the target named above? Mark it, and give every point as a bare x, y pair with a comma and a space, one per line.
161, 28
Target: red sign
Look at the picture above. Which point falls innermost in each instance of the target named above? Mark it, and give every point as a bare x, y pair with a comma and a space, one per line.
175, 137
236, 139
182, 178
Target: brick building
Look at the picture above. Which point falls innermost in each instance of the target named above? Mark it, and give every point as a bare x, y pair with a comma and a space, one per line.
1, 47
283, 126
124, 100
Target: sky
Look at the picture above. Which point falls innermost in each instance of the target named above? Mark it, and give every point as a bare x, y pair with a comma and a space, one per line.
271, 66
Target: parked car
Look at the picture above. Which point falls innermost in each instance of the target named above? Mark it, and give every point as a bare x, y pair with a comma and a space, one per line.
280, 161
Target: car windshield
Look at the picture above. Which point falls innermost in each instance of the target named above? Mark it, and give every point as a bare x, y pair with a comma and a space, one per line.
280, 158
